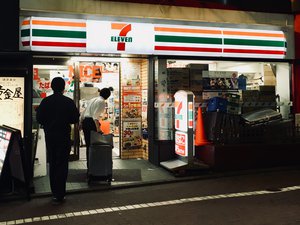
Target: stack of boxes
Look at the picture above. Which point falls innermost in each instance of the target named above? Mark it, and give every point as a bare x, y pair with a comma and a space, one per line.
178, 79
233, 105
264, 97
249, 99
267, 96
196, 85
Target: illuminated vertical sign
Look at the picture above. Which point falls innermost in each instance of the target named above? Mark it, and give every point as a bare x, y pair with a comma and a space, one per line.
191, 115
180, 113
184, 123
181, 146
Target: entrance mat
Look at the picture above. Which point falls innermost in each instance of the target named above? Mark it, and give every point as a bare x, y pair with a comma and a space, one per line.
119, 175
77, 176
127, 175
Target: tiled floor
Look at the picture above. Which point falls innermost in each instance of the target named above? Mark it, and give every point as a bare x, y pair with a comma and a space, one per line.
125, 172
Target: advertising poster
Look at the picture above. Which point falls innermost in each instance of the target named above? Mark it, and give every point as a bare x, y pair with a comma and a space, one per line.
131, 103
220, 80
132, 135
12, 102
144, 107
181, 143
131, 92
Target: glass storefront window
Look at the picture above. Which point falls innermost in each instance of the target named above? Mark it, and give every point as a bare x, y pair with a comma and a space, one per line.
255, 85
42, 76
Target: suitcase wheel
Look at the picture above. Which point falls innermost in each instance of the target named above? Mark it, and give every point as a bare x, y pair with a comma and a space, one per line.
109, 179
89, 180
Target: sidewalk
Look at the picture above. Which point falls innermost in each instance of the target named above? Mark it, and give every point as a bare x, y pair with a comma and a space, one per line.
132, 173
126, 173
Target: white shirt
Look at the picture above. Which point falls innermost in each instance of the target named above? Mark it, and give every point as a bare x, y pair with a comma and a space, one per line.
95, 108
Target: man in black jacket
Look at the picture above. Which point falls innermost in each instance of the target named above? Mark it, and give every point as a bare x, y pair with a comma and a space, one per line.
55, 113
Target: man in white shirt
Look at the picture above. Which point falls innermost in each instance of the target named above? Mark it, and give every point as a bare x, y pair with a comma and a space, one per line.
91, 115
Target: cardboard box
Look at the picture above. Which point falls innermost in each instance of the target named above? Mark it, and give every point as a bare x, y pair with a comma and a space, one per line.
234, 98
236, 110
267, 88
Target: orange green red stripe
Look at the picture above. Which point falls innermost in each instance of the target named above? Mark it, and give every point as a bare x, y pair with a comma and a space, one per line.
241, 41
254, 51
26, 43
253, 34
250, 42
25, 22
25, 33
185, 39
58, 44
186, 49
187, 30
58, 33
58, 23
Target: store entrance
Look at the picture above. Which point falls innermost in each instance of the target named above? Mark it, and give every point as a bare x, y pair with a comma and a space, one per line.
93, 76
125, 114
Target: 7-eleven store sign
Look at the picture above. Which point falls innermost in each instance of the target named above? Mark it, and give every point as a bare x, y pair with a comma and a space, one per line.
119, 37
184, 111
184, 122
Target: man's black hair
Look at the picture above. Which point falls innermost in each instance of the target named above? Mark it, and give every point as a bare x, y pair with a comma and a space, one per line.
58, 84
105, 93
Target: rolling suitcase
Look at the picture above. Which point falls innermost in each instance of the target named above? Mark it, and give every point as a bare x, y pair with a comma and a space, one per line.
262, 116
100, 157
217, 104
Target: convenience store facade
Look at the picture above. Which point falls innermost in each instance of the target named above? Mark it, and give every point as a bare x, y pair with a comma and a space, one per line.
156, 47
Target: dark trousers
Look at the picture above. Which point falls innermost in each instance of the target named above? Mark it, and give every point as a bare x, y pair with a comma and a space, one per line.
88, 124
58, 150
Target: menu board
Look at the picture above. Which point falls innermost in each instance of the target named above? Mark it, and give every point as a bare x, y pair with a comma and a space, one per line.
12, 102
132, 102
131, 107
4, 144
132, 135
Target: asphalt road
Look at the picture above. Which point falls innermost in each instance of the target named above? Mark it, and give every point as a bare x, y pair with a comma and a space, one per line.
265, 198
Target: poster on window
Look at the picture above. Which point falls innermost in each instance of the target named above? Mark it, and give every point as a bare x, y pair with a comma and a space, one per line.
131, 102
12, 102
132, 135
220, 80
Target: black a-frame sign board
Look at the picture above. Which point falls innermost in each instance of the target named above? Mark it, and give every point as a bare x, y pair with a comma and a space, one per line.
12, 157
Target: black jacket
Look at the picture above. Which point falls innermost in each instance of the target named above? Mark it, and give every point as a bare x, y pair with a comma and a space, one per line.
56, 112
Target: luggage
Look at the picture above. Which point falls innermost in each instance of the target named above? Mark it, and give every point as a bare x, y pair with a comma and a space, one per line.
217, 104
262, 116
221, 127
100, 157
101, 139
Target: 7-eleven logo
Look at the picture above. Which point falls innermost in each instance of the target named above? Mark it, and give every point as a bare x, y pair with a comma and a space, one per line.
122, 39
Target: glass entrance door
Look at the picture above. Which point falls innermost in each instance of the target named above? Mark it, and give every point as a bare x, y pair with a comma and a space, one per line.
92, 77
42, 77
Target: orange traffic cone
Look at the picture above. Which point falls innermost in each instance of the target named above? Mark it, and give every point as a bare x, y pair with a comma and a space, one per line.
200, 138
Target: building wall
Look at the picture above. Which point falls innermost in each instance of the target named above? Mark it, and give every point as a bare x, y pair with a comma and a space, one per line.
110, 8
10, 26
